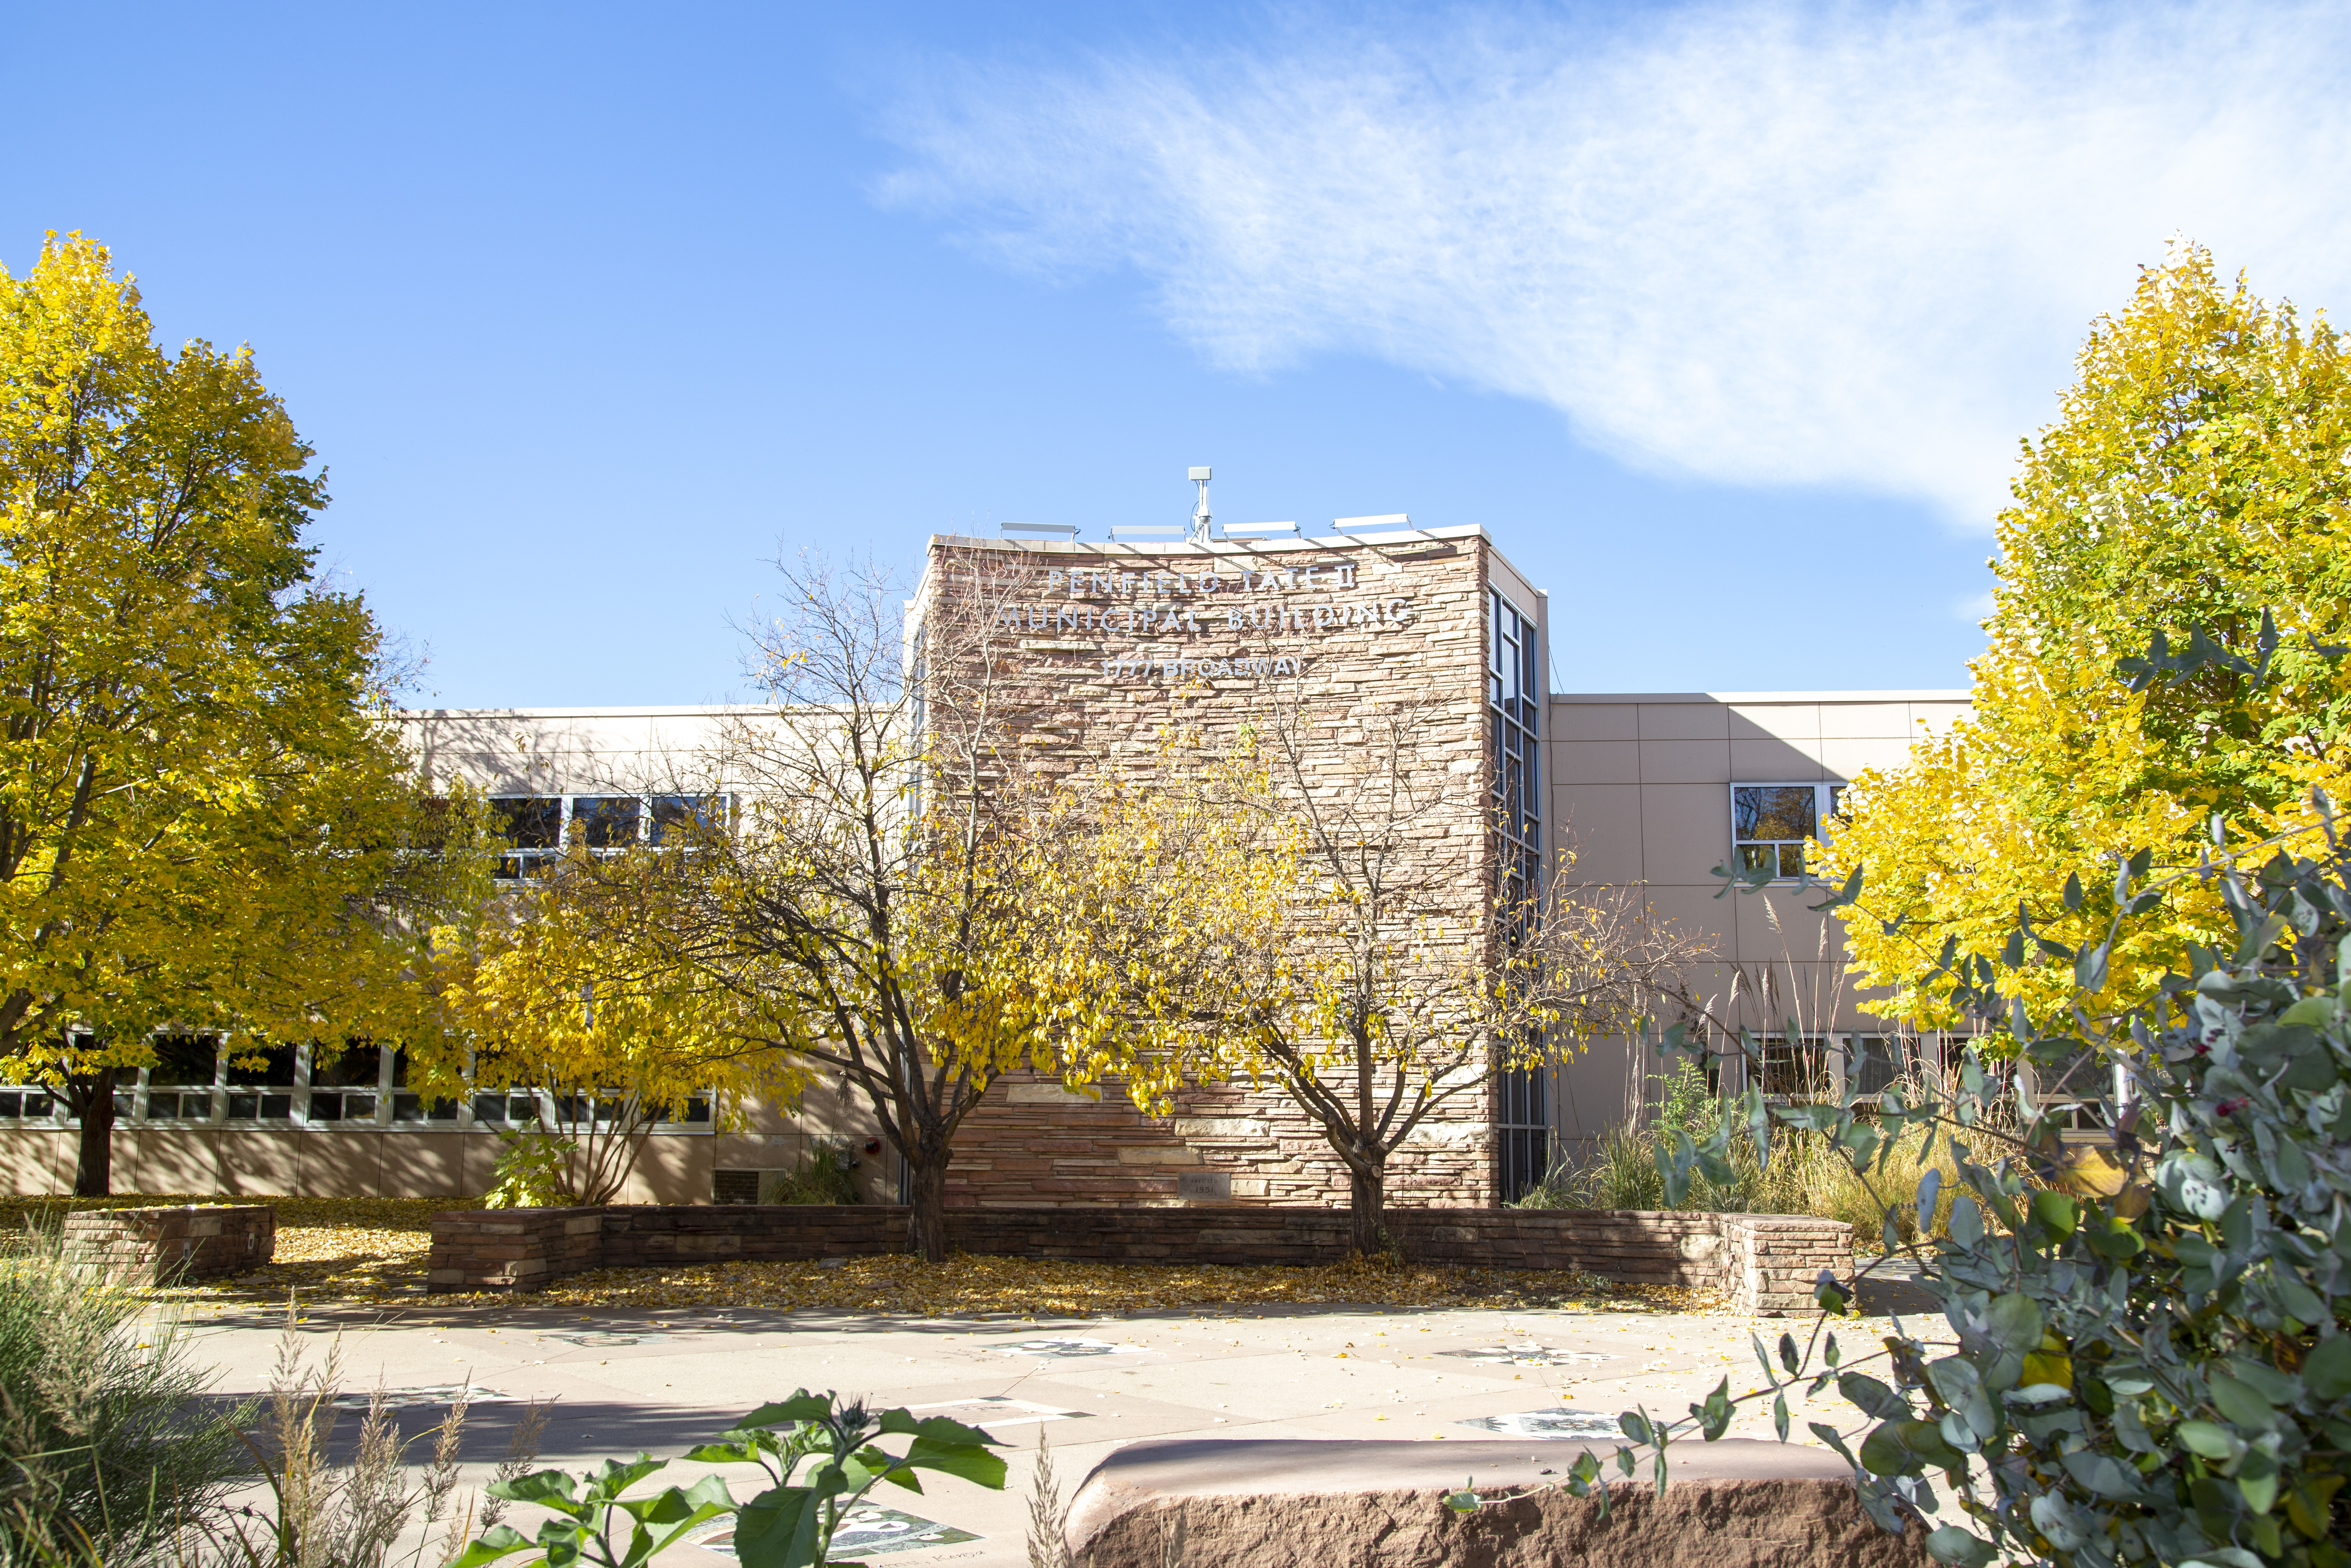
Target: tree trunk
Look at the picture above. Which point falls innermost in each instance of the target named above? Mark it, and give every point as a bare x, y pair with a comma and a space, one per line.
1367, 1208
927, 1231
90, 1097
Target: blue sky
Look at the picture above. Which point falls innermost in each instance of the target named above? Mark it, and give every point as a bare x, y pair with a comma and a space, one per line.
1724, 320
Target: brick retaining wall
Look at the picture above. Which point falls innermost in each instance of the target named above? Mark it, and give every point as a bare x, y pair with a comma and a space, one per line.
1767, 1263
173, 1246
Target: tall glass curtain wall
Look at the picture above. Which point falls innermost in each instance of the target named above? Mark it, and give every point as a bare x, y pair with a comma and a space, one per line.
1514, 701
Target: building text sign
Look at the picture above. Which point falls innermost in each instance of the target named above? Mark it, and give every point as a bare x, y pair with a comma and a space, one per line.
1158, 604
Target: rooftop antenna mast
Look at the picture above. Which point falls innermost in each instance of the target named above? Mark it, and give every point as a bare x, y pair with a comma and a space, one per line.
1200, 510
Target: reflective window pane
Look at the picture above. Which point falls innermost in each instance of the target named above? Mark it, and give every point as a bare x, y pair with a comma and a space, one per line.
1773, 810
183, 1059
254, 1064
1792, 860
529, 821
605, 821
354, 1066
682, 819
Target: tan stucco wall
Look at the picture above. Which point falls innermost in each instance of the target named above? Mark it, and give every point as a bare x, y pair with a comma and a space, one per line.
1641, 787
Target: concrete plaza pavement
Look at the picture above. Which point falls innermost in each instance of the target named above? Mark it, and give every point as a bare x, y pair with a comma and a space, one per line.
624, 1381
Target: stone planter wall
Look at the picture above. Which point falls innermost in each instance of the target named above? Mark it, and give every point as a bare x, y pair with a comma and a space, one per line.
1767, 1263
515, 1248
173, 1246
1770, 1261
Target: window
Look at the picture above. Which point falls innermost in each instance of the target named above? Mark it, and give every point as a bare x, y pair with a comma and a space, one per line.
515, 1108
540, 828
178, 1086
687, 817
1797, 1068
605, 821
1514, 705
260, 1083
1525, 1127
533, 825
1770, 825
19, 1104
343, 1085
1874, 1063
410, 1107
1514, 696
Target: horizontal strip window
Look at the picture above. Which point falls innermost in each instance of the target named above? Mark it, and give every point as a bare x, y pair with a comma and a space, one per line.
359, 1087
538, 829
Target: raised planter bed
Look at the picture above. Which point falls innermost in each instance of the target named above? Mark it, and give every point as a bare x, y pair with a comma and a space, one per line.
1767, 1263
173, 1246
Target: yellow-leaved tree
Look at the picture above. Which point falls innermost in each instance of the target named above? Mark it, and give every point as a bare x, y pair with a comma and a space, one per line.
905, 902
205, 825
2196, 486
1392, 980
545, 995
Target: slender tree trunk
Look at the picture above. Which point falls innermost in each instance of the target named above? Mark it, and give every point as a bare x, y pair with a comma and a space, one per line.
90, 1097
926, 1232
1367, 1191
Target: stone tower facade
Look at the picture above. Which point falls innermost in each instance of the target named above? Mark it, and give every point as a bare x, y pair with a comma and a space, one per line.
1105, 647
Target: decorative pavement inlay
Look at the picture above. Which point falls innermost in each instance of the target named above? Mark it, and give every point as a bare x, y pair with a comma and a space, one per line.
1527, 1356
435, 1393
866, 1532
1561, 1425
600, 1337
992, 1410
1057, 1348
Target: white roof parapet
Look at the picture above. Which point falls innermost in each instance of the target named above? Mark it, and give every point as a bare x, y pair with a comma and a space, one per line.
1924, 696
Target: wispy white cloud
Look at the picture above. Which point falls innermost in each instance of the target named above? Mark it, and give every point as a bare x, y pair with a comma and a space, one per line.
1852, 247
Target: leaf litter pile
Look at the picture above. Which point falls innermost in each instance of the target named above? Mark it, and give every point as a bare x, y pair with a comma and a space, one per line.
371, 1250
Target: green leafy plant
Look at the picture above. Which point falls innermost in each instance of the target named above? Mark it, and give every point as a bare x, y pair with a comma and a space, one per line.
531, 1171
789, 1525
584, 1510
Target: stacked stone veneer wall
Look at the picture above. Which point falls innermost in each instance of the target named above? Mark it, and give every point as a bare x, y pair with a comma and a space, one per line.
1102, 651
1033, 1143
170, 1246
1767, 1263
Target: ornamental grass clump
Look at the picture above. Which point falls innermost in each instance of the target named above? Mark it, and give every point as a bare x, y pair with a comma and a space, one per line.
106, 1444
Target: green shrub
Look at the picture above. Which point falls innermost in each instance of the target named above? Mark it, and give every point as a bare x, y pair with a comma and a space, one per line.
2157, 1375
2162, 1375
824, 1177
531, 1172
1806, 1175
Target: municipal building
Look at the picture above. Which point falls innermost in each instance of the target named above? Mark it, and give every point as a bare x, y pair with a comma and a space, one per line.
1106, 644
